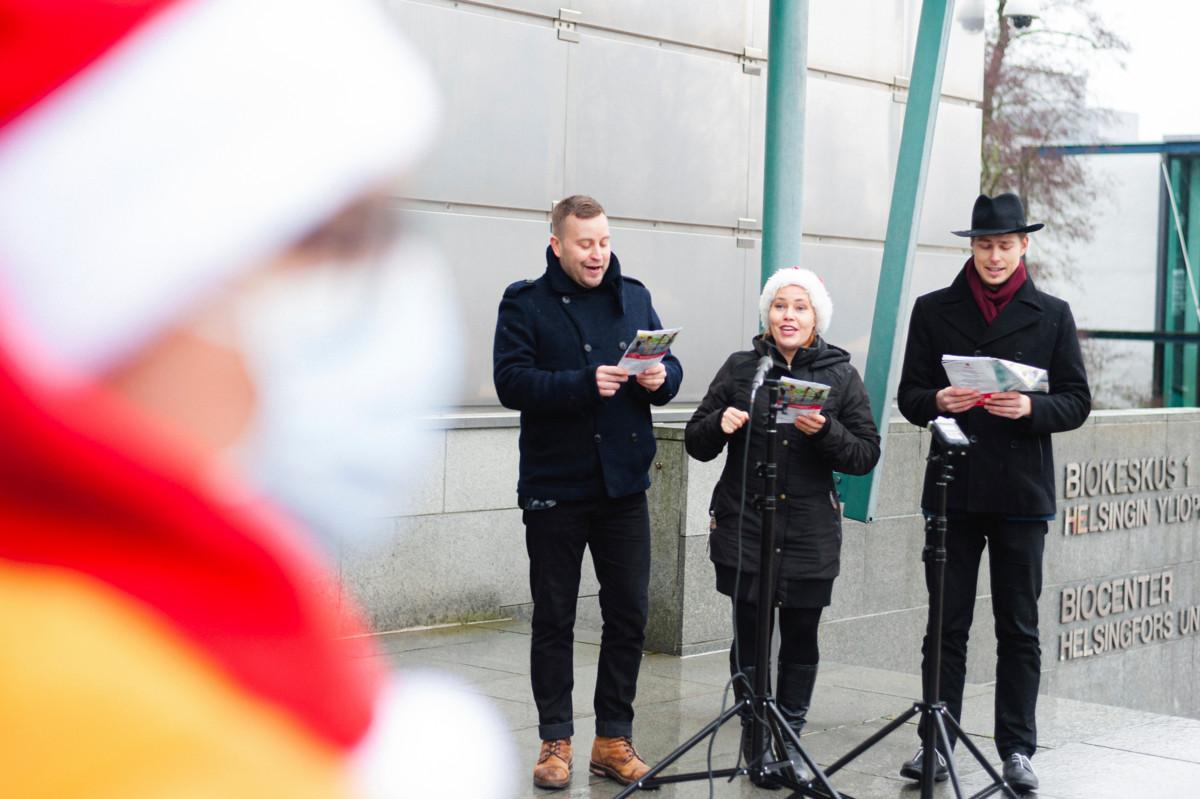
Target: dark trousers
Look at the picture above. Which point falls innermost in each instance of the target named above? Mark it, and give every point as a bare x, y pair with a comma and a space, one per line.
1015, 562
618, 533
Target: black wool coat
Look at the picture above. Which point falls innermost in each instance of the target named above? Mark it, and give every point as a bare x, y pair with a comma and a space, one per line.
808, 522
551, 336
1009, 468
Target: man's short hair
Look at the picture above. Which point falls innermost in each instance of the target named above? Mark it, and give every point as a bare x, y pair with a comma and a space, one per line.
578, 205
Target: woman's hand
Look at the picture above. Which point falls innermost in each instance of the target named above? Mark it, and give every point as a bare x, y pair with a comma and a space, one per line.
732, 420
810, 423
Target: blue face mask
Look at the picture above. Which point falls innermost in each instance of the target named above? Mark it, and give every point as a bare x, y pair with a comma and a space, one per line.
346, 359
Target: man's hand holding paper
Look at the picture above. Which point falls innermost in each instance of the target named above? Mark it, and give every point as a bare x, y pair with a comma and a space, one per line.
985, 378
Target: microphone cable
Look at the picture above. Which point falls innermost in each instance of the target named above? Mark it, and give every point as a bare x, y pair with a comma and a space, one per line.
737, 583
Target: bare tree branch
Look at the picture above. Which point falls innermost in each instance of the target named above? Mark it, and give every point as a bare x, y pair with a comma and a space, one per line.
1035, 94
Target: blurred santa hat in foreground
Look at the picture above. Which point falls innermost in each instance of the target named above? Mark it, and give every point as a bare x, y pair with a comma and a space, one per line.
152, 154
150, 150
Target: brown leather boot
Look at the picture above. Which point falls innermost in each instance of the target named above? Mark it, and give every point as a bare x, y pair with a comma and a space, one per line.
553, 769
617, 759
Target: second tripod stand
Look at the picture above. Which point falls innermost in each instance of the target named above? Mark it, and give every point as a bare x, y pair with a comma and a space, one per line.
935, 718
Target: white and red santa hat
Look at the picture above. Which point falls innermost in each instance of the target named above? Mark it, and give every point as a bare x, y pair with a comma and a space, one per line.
151, 150
806, 279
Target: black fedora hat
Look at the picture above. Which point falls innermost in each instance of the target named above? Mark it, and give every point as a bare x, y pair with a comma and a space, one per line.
992, 216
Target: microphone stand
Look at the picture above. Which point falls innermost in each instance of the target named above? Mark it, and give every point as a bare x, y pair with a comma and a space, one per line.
761, 704
934, 715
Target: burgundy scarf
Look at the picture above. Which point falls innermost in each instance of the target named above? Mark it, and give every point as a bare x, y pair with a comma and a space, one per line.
991, 301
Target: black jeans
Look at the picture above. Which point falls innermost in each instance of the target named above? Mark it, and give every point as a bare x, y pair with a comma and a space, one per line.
1015, 562
618, 533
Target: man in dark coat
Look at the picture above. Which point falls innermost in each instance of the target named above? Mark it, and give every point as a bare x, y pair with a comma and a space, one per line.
586, 448
1002, 494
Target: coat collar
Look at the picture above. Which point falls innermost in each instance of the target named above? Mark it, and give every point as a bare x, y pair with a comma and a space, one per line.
561, 283
817, 352
961, 312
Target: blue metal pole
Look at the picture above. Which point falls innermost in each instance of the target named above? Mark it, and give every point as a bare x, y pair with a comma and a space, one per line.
916, 140
783, 181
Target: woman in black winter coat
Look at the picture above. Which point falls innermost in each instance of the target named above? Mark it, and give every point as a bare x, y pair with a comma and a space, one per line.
795, 309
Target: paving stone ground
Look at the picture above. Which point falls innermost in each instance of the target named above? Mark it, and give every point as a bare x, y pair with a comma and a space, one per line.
1087, 751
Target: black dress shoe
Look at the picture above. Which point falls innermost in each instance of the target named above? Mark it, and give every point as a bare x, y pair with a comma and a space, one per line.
913, 769
1018, 773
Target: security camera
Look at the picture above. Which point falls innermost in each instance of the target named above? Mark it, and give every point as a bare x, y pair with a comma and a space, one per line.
1021, 12
970, 15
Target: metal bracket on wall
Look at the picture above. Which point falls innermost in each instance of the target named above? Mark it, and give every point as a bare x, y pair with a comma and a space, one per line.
745, 226
752, 60
899, 89
565, 25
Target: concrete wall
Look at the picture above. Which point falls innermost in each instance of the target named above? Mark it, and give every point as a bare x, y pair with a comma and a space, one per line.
458, 553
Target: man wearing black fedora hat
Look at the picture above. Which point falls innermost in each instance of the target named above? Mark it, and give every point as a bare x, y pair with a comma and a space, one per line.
1002, 495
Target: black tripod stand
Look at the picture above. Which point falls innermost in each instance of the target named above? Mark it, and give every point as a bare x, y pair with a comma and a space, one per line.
933, 711
760, 704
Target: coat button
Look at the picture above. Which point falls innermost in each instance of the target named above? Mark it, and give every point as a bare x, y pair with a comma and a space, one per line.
566, 300
596, 438
778, 551
1019, 354
785, 442
783, 496
977, 352
633, 436
972, 439
621, 345
1014, 444
587, 347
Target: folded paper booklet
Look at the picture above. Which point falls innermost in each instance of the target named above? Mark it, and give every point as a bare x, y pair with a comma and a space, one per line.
647, 348
800, 397
990, 375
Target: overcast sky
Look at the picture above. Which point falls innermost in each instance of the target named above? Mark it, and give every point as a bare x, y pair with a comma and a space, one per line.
1161, 83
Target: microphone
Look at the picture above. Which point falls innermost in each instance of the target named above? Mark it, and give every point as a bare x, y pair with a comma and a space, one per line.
760, 374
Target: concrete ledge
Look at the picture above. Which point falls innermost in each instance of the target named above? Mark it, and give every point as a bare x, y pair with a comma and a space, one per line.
457, 552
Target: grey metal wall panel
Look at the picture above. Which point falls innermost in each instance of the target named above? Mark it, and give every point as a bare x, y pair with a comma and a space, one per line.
758, 30
758, 147
932, 271
953, 180
718, 24
848, 195
852, 275
503, 82
658, 134
698, 282
546, 8
674, 135
704, 283
963, 76
484, 255
858, 37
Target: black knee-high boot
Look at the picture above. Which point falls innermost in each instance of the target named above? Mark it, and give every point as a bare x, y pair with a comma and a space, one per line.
794, 695
746, 716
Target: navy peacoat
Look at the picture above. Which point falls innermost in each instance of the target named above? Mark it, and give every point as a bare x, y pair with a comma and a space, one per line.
551, 335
